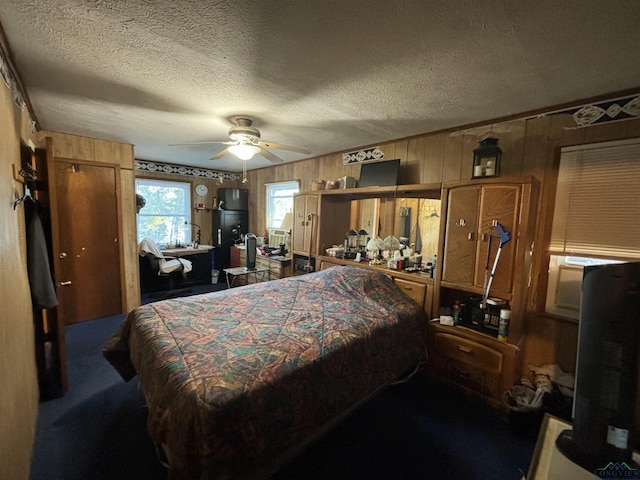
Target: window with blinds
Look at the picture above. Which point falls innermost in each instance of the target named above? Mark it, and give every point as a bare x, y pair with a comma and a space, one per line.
597, 211
596, 218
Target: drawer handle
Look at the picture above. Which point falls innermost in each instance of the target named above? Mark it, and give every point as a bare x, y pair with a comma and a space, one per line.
464, 349
408, 288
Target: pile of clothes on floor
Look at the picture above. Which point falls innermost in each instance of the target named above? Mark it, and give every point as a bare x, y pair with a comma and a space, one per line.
546, 389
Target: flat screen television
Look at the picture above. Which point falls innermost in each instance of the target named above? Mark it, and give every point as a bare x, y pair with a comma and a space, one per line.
606, 368
379, 174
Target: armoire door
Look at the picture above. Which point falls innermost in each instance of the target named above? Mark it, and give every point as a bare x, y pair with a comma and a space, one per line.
461, 235
85, 217
498, 204
305, 224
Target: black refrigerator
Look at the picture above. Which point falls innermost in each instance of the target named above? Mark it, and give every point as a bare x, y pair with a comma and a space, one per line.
228, 228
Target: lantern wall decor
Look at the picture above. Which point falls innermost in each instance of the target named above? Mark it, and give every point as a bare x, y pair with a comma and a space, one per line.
486, 159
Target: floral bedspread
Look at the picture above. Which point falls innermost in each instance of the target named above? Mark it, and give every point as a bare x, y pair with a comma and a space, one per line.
236, 379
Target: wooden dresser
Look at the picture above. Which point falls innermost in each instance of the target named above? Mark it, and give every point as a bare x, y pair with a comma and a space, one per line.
477, 364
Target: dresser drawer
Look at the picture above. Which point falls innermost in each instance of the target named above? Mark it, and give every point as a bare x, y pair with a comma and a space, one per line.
473, 379
415, 291
274, 266
468, 352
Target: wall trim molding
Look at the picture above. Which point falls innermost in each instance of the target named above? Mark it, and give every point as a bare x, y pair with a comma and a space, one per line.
363, 155
184, 170
606, 111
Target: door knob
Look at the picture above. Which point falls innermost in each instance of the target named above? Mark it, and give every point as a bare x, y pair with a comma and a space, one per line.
63, 255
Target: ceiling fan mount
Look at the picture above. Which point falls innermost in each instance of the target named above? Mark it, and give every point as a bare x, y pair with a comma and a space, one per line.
242, 131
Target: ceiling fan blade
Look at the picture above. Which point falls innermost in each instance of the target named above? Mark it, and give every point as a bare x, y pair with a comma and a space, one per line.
270, 156
201, 143
280, 146
218, 156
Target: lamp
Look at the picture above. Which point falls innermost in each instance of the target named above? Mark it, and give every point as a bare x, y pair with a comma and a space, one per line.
486, 159
350, 244
287, 222
362, 239
244, 151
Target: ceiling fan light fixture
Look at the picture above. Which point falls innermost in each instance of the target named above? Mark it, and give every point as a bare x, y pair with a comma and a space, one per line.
244, 152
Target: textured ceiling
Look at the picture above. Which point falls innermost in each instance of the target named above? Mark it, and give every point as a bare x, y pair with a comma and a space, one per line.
327, 75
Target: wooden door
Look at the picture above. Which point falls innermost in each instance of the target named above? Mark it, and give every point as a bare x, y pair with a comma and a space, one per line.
86, 237
498, 203
461, 235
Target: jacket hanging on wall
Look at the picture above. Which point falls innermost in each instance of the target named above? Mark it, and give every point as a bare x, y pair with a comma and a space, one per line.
43, 293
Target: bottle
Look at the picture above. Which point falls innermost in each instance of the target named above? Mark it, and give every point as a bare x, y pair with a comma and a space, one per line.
503, 327
456, 312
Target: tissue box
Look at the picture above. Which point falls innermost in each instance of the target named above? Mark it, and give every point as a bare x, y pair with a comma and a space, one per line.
446, 320
335, 251
347, 182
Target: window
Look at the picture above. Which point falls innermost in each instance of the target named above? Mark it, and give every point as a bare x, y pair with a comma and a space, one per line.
596, 218
167, 208
280, 202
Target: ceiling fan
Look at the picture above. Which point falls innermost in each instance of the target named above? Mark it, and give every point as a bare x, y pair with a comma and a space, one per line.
245, 142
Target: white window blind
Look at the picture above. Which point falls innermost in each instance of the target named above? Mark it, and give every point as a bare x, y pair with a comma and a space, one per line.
597, 211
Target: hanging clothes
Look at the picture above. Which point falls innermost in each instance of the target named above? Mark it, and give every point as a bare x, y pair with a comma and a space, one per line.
43, 292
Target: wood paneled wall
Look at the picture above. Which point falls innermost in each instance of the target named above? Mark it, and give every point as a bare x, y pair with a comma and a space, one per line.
19, 390
530, 147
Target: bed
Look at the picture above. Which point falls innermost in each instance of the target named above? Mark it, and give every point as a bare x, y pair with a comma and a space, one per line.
238, 381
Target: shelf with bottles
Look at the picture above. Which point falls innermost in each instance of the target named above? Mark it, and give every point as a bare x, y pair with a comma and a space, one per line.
470, 312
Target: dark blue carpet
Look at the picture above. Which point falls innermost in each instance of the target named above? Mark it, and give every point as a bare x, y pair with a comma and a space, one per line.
414, 430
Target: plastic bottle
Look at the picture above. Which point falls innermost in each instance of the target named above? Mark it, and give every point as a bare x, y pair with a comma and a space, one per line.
503, 327
456, 312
